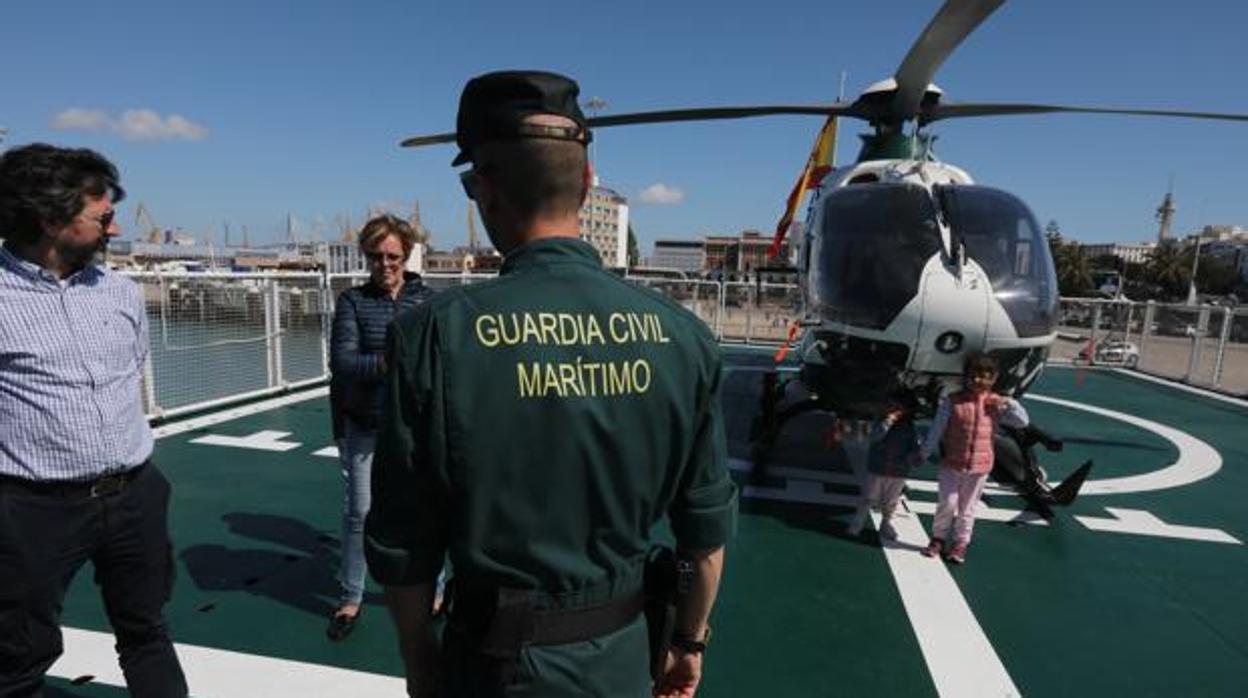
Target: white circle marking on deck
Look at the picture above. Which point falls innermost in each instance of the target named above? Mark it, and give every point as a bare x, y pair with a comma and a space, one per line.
1197, 460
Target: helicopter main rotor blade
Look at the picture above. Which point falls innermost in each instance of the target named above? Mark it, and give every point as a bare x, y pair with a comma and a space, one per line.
717, 113
420, 141
966, 110
674, 115
951, 25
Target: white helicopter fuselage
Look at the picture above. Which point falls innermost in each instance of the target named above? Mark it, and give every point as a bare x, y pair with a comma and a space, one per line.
954, 310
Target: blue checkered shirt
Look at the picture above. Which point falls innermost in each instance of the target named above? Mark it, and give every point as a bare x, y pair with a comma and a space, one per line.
71, 360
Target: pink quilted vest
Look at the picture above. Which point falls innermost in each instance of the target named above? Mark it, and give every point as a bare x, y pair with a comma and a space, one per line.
968, 436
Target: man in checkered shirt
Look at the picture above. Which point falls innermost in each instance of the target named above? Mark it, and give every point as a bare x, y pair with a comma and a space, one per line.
76, 483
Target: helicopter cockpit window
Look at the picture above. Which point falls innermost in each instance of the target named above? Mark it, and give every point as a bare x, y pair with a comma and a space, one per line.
869, 250
1002, 237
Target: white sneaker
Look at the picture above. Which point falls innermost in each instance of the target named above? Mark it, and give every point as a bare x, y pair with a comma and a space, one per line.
887, 532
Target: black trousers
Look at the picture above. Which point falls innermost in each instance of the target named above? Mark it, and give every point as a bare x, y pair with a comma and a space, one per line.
45, 538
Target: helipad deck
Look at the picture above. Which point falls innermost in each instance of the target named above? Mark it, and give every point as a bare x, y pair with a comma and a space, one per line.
1132, 590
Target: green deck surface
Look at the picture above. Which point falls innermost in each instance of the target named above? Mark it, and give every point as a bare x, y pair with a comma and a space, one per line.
804, 610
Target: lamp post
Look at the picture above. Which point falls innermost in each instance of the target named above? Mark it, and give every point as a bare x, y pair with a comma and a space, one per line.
1191, 289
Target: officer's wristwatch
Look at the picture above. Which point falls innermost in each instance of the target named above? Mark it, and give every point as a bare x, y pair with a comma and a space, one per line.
689, 643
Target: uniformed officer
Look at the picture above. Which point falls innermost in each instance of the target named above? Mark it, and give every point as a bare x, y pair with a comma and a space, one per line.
540, 425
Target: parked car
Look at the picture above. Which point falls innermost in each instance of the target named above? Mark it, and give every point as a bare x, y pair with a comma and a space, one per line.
1118, 351
1111, 351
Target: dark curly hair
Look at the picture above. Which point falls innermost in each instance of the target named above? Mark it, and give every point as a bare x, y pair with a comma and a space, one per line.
979, 362
42, 186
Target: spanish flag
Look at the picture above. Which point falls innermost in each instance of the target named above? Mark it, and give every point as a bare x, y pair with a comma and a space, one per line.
818, 165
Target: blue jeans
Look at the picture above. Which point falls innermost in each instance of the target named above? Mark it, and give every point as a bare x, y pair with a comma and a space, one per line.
355, 453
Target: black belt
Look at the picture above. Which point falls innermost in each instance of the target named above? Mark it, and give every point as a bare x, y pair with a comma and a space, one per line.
102, 486
502, 621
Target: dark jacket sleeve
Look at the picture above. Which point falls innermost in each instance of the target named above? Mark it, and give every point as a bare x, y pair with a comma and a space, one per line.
704, 510
405, 532
336, 415
346, 360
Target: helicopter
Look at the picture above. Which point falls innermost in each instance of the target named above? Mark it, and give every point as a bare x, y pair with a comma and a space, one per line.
905, 264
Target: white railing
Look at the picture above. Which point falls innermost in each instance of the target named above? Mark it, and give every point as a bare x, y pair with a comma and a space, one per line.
219, 338
1202, 345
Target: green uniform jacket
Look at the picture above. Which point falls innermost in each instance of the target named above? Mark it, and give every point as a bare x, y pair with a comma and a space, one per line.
539, 426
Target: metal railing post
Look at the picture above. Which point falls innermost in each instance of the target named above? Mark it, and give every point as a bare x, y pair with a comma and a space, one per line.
327, 307
270, 364
1150, 311
278, 368
720, 310
150, 406
751, 305
1198, 342
1224, 336
1096, 325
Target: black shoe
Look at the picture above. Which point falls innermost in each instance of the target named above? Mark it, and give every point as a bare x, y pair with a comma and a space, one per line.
341, 625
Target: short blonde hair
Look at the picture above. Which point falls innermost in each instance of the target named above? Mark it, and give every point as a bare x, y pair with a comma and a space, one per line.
381, 227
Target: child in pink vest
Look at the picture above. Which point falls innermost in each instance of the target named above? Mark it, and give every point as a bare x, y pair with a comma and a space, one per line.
963, 426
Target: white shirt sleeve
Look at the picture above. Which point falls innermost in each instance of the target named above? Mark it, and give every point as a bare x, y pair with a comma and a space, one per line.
1014, 415
936, 431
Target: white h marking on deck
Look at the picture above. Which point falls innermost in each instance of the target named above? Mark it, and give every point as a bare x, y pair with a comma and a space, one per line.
214, 672
1146, 524
261, 441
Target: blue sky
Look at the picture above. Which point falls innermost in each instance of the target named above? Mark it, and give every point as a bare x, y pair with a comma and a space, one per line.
297, 107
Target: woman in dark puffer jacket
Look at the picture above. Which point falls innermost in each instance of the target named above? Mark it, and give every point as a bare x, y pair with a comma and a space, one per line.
358, 364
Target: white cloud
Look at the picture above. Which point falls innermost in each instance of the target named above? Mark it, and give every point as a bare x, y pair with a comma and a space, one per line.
661, 194
147, 125
80, 120
133, 124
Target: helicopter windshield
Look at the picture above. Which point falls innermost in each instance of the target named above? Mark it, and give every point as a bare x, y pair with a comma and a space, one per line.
870, 249
1001, 235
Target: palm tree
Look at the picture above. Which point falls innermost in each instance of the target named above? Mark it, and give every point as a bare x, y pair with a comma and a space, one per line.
1074, 276
1169, 268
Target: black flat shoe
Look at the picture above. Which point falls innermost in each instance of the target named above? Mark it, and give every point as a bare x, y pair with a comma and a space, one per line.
341, 625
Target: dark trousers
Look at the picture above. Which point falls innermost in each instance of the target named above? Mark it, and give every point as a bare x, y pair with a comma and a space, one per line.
45, 537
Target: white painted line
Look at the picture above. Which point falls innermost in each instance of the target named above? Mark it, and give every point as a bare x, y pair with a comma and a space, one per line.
805, 486
327, 452
208, 420
801, 492
961, 660
1146, 524
260, 441
990, 488
762, 369
1182, 386
1197, 460
215, 672
984, 512
828, 476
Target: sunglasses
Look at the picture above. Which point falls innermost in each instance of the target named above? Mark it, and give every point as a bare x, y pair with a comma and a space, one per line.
379, 257
471, 181
106, 219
